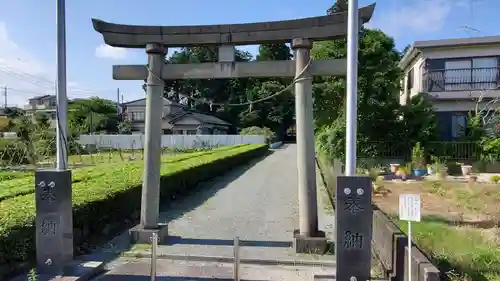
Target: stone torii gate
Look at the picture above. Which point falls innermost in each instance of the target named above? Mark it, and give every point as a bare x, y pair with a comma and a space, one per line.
300, 32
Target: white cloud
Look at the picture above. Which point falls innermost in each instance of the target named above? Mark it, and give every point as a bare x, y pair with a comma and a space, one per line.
106, 51
26, 76
420, 16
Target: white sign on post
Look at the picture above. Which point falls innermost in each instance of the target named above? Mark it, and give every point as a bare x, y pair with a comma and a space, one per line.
409, 207
409, 210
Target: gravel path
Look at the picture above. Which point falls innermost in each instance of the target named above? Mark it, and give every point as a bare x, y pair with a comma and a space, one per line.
260, 204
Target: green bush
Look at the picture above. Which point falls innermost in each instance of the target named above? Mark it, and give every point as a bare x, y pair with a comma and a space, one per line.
99, 201
492, 148
269, 135
24, 184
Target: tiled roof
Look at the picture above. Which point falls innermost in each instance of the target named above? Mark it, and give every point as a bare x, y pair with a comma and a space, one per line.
204, 118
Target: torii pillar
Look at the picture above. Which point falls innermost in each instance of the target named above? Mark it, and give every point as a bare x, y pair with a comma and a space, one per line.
150, 200
306, 166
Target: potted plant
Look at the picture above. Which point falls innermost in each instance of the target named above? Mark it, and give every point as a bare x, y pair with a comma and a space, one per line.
466, 169
394, 168
403, 172
472, 178
495, 178
418, 160
431, 169
374, 175
441, 170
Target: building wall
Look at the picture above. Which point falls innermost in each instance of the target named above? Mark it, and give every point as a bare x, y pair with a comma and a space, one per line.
136, 141
462, 52
416, 80
428, 55
465, 105
139, 109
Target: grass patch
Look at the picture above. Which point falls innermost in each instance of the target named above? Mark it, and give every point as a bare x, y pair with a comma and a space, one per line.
464, 254
459, 227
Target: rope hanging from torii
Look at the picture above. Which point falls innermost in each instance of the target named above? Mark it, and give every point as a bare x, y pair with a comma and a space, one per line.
296, 79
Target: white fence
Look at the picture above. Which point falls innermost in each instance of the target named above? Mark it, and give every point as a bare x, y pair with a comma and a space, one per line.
169, 141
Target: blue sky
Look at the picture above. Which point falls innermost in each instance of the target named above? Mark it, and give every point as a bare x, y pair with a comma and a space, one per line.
28, 34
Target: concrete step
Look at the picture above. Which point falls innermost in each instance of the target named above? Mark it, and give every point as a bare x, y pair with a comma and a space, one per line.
139, 269
263, 255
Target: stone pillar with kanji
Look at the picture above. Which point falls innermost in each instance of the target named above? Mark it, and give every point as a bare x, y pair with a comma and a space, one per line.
54, 220
353, 214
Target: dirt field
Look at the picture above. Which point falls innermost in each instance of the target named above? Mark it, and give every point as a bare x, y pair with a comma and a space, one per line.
460, 224
455, 201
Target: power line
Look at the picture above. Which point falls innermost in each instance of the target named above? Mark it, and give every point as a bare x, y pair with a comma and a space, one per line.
44, 82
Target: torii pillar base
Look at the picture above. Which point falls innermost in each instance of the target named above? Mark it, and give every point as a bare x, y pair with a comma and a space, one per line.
310, 245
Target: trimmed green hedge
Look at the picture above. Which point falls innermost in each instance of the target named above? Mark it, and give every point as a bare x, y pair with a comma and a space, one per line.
7, 175
24, 183
98, 202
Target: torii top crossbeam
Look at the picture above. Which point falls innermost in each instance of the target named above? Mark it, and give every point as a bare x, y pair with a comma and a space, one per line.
315, 28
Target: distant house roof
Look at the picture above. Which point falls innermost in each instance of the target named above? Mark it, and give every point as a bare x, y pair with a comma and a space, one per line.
443, 43
168, 102
42, 97
203, 118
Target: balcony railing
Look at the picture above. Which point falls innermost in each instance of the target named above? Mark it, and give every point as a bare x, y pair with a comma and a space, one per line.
467, 79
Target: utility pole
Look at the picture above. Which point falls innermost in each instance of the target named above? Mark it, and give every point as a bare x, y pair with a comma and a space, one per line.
61, 95
352, 87
5, 97
118, 101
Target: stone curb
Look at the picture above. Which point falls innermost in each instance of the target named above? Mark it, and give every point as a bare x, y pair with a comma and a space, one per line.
231, 259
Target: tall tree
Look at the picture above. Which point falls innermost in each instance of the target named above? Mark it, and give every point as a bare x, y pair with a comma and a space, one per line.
92, 115
338, 6
378, 89
13, 112
278, 112
274, 52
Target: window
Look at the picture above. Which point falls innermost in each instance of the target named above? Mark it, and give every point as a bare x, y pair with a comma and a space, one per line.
458, 125
485, 72
137, 116
409, 85
457, 75
471, 74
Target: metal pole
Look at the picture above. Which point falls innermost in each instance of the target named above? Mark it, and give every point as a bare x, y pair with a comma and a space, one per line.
118, 101
154, 245
409, 250
61, 96
5, 96
352, 87
236, 249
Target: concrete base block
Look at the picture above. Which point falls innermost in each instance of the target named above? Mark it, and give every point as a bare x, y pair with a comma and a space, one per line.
310, 245
140, 235
75, 271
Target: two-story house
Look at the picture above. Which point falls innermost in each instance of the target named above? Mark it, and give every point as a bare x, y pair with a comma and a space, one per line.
458, 75
42, 104
176, 119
